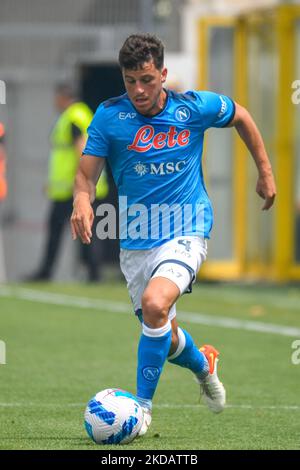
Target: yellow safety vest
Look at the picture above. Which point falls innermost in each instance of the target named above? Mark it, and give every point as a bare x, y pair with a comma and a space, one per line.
64, 160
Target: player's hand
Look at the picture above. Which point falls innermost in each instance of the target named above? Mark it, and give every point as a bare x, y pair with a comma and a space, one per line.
266, 189
82, 219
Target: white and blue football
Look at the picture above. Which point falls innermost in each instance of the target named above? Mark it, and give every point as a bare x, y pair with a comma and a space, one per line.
113, 416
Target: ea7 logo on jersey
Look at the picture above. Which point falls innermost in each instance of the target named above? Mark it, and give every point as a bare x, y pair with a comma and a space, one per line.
182, 114
146, 139
127, 115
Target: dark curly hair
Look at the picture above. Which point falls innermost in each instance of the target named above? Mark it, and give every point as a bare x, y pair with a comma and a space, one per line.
140, 48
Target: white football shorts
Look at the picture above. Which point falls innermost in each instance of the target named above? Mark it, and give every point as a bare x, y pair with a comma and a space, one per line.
178, 260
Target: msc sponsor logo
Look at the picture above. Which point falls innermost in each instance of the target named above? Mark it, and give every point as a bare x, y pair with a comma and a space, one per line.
182, 114
163, 168
140, 168
146, 139
166, 168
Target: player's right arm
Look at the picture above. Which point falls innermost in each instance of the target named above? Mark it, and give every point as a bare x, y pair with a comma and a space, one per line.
220, 111
88, 173
249, 133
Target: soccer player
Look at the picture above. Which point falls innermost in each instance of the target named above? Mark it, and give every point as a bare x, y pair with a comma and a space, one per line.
152, 138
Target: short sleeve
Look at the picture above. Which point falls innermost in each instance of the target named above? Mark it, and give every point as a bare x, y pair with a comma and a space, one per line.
97, 142
216, 110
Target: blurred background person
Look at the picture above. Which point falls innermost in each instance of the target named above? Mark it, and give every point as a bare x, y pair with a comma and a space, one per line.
3, 194
67, 142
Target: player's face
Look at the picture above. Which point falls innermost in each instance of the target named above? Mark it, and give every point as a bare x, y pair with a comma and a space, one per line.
145, 88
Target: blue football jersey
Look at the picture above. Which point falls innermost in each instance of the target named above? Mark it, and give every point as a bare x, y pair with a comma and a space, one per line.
156, 164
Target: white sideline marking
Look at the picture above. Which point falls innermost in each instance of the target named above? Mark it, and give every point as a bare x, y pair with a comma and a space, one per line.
123, 307
158, 406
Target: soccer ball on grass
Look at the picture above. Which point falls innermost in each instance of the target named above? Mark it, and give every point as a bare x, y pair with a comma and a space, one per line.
113, 416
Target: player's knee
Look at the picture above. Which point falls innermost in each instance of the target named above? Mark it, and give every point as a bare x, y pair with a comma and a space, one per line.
155, 311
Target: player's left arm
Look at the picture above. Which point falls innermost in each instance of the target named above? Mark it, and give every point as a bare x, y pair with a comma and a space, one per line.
250, 134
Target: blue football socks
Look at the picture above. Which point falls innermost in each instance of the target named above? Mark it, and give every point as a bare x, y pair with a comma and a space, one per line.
188, 355
153, 351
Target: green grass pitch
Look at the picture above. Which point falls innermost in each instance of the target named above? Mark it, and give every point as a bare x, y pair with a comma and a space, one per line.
60, 351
